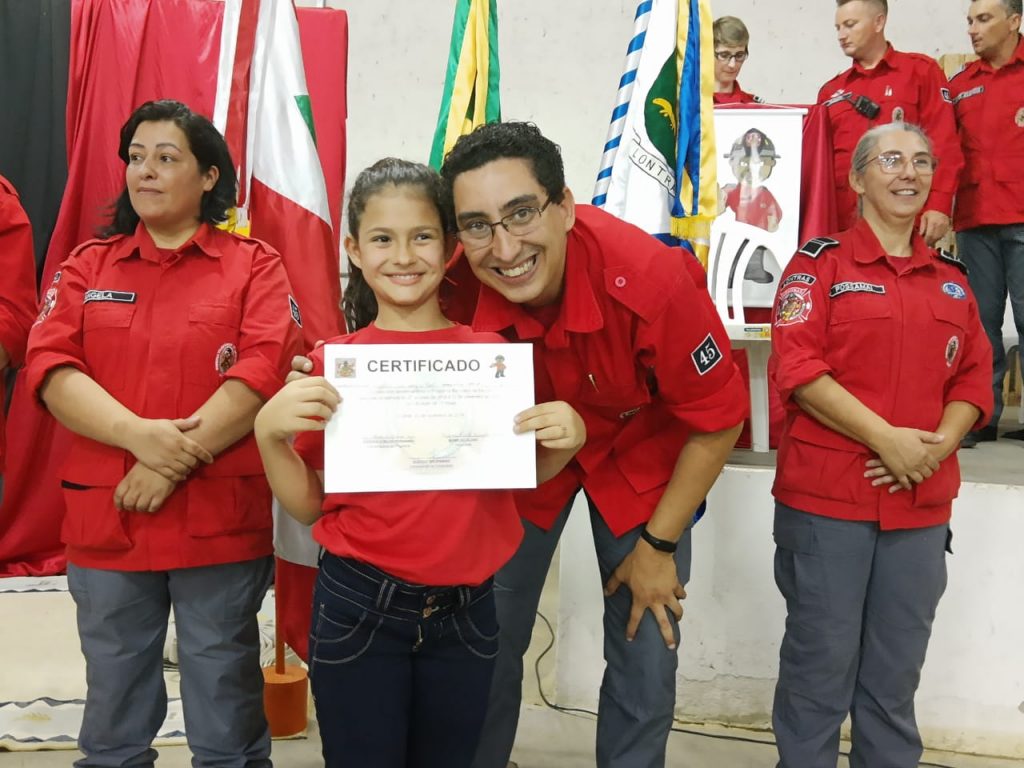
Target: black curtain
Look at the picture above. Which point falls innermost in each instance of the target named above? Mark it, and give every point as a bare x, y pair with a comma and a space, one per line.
35, 39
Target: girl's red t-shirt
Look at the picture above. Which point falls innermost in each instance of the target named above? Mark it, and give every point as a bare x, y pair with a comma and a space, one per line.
423, 537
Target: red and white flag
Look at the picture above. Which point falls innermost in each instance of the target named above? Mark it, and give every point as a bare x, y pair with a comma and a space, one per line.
263, 109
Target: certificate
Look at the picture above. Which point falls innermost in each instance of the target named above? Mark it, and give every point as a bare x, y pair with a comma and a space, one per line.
417, 417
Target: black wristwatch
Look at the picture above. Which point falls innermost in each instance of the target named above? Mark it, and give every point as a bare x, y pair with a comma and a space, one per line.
659, 544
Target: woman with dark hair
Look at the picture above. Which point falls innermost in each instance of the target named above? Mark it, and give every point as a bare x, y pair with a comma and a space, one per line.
882, 363
156, 348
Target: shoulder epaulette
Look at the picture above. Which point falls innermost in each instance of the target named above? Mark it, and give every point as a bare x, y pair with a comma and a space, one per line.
96, 241
951, 259
813, 248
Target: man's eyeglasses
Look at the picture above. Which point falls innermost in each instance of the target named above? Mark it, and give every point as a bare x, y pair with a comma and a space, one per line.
894, 162
522, 221
724, 56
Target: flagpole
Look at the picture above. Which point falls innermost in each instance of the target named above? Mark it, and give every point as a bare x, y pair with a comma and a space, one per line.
625, 93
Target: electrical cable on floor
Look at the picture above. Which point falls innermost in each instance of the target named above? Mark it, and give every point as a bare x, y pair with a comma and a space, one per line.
689, 731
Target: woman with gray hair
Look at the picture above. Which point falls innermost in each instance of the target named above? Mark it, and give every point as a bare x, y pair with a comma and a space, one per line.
883, 366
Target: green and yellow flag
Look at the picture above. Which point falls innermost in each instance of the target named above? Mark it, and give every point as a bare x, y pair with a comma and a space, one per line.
471, 86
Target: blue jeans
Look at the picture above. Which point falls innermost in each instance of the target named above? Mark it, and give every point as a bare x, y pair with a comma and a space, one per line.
638, 690
400, 672
995, 257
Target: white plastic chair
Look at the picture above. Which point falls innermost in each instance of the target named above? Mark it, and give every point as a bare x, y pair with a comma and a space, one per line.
732, 247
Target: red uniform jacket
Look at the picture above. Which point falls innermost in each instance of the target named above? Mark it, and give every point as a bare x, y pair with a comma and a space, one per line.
161, 331
904, 337
638, 350
17, 287
989, 106
738, 96
910, 85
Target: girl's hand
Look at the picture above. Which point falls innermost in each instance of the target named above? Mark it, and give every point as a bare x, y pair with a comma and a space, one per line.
556, 423
302, 405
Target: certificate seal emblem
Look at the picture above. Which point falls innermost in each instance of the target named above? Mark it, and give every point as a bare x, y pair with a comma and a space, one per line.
227, 356
952, 347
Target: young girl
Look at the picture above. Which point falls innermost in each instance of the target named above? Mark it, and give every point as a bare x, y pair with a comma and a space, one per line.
404, 633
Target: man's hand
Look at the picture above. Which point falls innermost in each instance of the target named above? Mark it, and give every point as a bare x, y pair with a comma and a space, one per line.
302, 366
142, 490
933, 227
651, 577
303, 405
556, 424
162, 446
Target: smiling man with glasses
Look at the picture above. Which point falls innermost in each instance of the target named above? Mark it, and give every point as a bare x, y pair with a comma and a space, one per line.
620, 331
731, 50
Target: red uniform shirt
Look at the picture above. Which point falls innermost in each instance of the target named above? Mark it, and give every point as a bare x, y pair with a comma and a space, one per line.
910, 85
18, 286
902, 336
639, 351
161, 331
989, 105
738, 96
756, 208
423, 537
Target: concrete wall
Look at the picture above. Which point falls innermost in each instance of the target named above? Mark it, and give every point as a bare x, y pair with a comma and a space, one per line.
971, 697
561, 61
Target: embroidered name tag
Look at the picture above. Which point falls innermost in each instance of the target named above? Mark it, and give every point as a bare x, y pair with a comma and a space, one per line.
121, 297
706, 356
798, 277
967, 94
840, 288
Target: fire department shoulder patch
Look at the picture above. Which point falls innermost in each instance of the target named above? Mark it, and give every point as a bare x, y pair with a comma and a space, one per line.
227, 356
952, 347
794, 305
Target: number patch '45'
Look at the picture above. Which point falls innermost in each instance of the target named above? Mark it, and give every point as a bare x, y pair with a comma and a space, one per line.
706, 356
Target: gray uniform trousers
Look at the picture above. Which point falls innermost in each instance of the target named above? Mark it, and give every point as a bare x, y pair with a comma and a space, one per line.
995, 261
122, 625
637, 699
860, 603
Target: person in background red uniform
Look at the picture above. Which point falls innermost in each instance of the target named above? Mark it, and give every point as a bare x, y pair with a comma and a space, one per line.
867, 467
404, 633
17, 290
885, 85
156, 347
731, 50
988, 96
